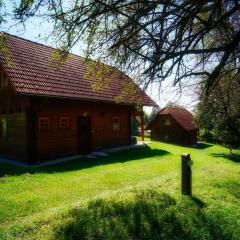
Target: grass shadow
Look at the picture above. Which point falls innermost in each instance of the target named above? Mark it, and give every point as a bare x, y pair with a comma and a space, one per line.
234, 157
198, 201
202, 145
137, 219
139, 153
149, 216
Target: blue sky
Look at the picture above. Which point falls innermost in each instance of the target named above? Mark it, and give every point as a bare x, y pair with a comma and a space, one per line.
38, 30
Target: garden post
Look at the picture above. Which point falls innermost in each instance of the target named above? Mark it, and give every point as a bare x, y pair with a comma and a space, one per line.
186, 174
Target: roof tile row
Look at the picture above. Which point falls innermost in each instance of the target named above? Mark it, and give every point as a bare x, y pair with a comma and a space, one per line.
32, 72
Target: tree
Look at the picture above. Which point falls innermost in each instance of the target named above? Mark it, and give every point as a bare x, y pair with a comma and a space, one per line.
218, 115
158, 38
134, 126
146, 119
154, 112
173, 105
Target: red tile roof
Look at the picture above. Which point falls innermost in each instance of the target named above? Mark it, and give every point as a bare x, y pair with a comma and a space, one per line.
181, 115
32, 72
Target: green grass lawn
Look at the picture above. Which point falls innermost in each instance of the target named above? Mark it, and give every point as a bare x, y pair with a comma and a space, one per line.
55, 202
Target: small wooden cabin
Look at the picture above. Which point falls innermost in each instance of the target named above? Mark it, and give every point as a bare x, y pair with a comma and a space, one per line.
174, 125
48, 112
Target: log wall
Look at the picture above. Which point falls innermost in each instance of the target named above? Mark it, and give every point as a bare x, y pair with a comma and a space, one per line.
14, 145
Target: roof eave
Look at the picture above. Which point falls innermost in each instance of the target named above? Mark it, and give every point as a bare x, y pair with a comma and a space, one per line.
82, 99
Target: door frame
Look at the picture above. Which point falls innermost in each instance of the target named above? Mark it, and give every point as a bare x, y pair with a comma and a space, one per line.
89, 145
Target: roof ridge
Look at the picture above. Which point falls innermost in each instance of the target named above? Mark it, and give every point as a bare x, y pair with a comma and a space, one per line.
176, 108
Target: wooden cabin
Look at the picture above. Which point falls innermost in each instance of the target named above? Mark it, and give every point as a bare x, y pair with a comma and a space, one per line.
48, 112
174, 125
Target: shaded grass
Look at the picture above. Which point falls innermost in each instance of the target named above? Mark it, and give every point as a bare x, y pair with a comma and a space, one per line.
150, 215
234, 157
146, 215
202, 145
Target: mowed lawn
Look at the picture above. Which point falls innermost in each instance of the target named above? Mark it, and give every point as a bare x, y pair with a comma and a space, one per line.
32, 195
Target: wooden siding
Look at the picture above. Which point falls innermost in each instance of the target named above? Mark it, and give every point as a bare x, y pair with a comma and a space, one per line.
10, 102
14, 144
55, 141
13, 109
175, 132
33, 144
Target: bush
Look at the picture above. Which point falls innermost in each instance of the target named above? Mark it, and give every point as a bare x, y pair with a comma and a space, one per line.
207, 136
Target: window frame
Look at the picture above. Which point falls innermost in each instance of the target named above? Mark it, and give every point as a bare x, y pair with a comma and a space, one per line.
119, 124
45, 118
67, 118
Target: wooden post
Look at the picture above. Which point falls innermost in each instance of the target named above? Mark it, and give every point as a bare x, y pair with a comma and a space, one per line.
186, 174
142, 128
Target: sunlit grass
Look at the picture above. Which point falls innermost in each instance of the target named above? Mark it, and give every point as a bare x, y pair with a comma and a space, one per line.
43, 195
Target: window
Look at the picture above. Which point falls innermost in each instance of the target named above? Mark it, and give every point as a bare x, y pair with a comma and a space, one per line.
44, 123
166, 122
64, 122
3, 81
116, 124
3, 128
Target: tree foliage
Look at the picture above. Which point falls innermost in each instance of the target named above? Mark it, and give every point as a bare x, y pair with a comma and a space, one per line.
157, 38
173, 105
154, 112
135, 125
218, 115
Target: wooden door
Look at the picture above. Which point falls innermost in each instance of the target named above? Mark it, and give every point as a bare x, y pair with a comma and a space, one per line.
84, 134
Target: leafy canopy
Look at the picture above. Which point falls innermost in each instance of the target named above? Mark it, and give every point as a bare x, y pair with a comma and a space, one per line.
218, 115
157, 38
